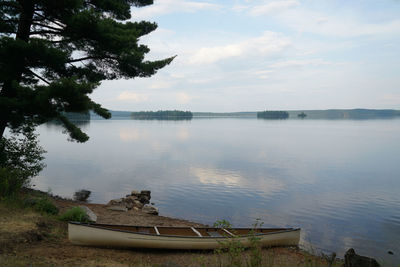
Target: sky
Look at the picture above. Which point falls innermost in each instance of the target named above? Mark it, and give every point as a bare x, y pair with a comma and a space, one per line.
252, 55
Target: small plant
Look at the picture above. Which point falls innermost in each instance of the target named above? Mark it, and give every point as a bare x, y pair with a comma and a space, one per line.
255, 247
232, 247
223, 224
75, 214
45, 205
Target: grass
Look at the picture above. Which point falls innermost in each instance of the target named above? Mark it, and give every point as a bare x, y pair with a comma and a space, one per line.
76, 214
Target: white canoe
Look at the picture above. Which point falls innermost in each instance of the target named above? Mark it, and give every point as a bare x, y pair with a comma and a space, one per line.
176, 237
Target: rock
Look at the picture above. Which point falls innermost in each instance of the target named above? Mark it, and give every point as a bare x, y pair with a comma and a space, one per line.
135, 193
117, 201
145, 192
150, 210
131, 199
117, 208
136, 208
145, 199
92, 217
129, 205
138, 204
351, 259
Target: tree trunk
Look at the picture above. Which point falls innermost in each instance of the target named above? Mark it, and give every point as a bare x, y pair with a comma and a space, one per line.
23, 32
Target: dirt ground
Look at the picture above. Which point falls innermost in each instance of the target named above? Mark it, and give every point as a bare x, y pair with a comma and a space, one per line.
28, 238
131, 217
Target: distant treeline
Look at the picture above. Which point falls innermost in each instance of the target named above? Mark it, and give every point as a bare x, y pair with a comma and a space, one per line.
74, 116
162, 115
336, 114
352, 114
273, 114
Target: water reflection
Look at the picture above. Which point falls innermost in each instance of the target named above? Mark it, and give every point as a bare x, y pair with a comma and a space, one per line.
338, 180
131, 135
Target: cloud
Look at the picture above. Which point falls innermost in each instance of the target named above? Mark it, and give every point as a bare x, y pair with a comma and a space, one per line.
267, 43
272, 7
299, 63
393, 99
338, 25
132, 97
161, 7
183, 98
161, 84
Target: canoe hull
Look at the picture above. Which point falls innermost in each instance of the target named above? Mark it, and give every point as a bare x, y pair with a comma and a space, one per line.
81, 234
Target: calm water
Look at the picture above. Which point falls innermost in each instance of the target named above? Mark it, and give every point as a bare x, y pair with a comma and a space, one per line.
337, 180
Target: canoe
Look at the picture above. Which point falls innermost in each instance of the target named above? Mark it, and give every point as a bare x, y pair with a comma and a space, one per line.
158, 237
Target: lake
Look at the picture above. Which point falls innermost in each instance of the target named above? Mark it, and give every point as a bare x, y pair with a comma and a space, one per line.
339, 180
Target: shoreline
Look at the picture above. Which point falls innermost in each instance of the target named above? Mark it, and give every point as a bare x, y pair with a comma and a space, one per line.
41, 239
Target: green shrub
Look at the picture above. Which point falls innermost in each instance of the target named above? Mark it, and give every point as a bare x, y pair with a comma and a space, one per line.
45, 205
75, 214
10, 182
21, 158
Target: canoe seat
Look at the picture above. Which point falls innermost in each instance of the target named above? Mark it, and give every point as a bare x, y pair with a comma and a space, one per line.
214, 234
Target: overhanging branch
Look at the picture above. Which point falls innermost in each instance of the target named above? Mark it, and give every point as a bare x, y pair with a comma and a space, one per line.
87, 58
51, 20
47, 26
39, 77
45, 32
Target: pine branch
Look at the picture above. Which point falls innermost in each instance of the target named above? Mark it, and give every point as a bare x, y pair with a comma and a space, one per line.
90, 57
51, 20
39, 77
47, 26
45, 32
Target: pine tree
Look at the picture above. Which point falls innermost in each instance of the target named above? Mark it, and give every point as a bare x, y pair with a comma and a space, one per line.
54, 53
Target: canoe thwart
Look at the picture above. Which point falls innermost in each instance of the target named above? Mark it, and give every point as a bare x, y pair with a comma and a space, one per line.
229, 233
156, 229
197, 232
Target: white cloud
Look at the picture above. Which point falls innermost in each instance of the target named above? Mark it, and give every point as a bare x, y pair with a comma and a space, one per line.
272, 7
268, 43
393, 99
132, 97
161, 7
299, 63
161, 84
340, 25
183, 98
263, 74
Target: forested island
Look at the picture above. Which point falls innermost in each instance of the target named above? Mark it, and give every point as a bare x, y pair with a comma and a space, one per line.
162, 115
271, 115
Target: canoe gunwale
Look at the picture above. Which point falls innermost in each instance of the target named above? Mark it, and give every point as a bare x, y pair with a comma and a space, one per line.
104, 227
